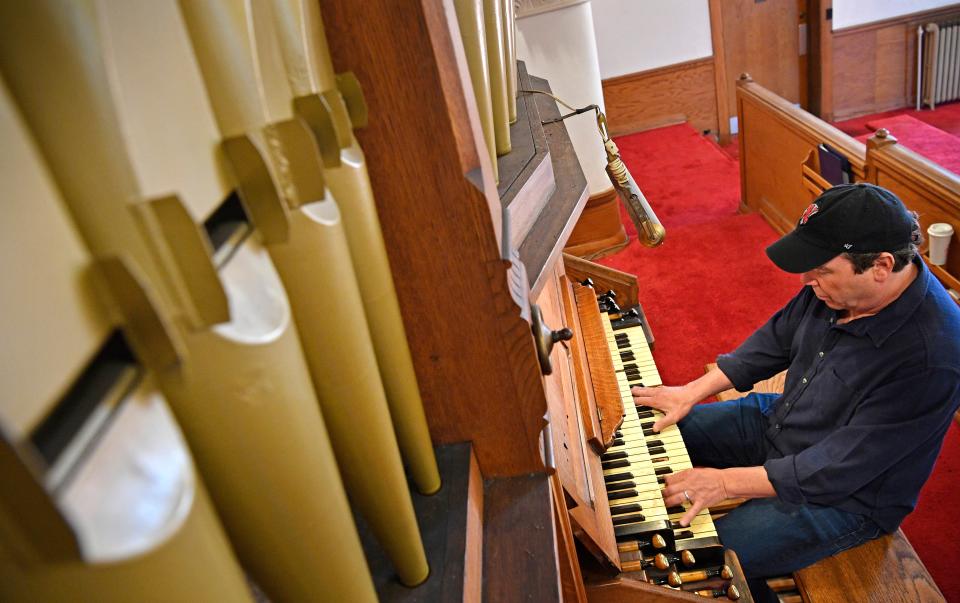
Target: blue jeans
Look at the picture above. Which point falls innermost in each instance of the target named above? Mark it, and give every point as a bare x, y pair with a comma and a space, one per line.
769, 536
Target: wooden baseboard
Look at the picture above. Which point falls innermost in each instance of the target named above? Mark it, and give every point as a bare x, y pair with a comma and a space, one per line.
599, 231
658, 97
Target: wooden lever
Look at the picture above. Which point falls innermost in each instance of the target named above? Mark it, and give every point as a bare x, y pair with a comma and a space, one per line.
695, 576
663, 561
656, 541
731, 592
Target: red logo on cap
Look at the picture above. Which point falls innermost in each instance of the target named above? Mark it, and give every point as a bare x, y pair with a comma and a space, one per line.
807, 213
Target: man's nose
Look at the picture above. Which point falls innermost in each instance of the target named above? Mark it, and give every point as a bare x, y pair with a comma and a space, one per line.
807, 278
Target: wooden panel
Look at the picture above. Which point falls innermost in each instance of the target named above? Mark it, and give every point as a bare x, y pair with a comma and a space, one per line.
606, 390
604, 279
775, 140
422, 140
874, 65
654, 98
519, 540
571, 581
599, 231
885, 570
568, 449
578, 465
873, 70
760, 38
923, 186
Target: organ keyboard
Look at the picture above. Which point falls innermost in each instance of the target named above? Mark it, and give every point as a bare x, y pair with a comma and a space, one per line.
652, 544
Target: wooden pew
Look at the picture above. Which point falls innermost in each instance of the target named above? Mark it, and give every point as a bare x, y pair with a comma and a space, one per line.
925, 187
779, 168
883, 570
776, 140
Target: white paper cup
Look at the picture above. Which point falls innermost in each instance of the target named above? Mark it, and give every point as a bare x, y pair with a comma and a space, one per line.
939, 235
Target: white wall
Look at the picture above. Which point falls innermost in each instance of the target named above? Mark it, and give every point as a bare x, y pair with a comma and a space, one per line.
560, 47
636, 35
847, 13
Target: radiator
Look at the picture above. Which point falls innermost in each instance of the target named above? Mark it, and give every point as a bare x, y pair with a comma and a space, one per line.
938, 53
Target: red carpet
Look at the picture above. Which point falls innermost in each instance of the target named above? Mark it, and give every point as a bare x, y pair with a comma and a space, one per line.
946, 117
921, 138
700, 181
710, 285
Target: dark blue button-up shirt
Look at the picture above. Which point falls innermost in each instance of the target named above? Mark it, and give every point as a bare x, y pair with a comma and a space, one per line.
866, 404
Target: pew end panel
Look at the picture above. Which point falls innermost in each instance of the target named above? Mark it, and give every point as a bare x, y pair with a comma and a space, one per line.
777, 140
926, 188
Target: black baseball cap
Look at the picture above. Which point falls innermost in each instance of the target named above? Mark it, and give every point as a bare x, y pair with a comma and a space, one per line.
854, 218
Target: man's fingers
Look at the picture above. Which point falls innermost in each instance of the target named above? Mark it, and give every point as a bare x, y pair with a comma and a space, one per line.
691, 513
665, 421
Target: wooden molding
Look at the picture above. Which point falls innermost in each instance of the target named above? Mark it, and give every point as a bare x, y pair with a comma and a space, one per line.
670, 94
933, 14
720, 72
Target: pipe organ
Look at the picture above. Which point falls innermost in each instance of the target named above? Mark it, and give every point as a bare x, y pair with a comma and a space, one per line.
272, 322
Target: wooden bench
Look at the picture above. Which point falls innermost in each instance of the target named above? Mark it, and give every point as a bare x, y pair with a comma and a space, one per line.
883, 570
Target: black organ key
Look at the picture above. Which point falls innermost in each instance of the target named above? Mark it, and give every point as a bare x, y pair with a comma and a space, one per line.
613, 456
632, 518
621, 486
662, 471
656, 449
617, 495
616, 477
676, 509
624, 509
615, 464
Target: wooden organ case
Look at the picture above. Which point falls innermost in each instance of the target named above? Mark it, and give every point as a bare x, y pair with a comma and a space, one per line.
478, 265
203, 152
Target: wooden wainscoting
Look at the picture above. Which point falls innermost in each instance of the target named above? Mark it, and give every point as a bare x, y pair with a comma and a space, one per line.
662, 96
874, 65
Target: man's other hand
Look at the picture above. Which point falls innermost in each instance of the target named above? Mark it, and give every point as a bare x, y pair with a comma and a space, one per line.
704, 487
674, 402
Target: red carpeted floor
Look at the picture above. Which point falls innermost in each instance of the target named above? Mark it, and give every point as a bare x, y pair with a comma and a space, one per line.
710, 285
945, 117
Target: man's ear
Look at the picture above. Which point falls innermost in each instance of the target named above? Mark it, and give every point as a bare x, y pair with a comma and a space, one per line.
883, 267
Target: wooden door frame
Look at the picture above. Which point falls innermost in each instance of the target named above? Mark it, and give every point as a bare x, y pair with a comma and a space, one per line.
720, 71
819, 64
820, 58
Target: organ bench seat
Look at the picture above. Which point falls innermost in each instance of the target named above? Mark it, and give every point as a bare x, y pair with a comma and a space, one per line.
885, 570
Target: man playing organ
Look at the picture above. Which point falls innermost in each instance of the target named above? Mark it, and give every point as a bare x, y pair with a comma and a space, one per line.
872, 351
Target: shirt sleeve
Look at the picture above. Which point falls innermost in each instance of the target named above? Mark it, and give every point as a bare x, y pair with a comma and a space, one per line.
889, 425
767, 351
